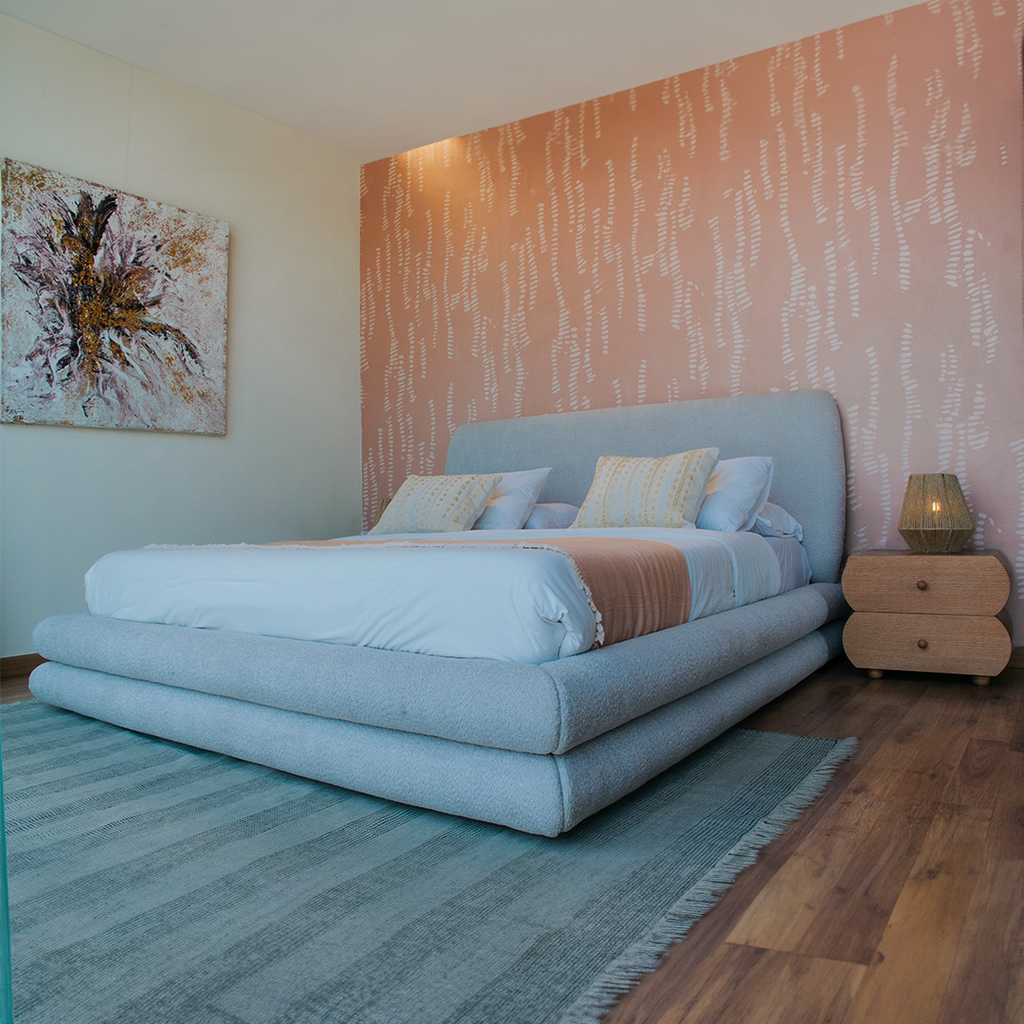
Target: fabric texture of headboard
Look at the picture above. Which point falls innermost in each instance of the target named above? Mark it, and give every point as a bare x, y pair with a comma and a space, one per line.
801, 431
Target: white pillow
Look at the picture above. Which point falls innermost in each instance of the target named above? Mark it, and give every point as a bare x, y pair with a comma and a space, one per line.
437, 504
775, 521
665, 492
511, 504
737, 491
554, 515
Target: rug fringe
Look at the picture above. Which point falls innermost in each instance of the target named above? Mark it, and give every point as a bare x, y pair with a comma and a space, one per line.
644, 956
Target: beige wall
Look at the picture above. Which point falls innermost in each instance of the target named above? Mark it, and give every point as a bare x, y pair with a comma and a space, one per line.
289, 465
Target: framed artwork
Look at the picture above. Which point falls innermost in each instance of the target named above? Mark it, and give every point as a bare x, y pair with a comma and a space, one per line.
114, 308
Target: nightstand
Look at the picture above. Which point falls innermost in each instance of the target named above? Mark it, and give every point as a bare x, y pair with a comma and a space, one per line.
928, 613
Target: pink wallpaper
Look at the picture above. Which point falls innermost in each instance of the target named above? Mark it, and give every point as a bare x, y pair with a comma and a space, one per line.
843, 212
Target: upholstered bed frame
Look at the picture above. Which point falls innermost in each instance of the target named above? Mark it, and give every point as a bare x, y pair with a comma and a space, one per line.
533, 747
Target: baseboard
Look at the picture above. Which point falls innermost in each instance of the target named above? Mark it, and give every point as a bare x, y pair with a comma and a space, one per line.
19, 665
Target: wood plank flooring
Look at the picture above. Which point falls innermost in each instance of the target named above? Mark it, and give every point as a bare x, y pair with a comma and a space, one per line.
898, 897
14, 688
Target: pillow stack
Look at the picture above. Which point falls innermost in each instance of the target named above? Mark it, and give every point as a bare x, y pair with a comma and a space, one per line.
683, 491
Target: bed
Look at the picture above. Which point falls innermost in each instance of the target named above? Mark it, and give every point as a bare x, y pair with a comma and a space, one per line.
532, 742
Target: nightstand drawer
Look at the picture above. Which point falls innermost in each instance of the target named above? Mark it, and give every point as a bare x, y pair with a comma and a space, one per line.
927, 584
968, 644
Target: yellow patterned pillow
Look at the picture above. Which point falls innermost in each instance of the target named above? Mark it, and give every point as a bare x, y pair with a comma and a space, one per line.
648, 492
437, 504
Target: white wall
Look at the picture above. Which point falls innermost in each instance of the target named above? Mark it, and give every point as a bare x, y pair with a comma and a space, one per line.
289, 466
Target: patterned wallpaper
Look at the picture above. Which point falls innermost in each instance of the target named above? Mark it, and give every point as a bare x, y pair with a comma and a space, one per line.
843, 212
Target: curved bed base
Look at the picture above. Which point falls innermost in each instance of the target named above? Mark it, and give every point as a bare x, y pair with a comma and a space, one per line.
535, 709
541, 793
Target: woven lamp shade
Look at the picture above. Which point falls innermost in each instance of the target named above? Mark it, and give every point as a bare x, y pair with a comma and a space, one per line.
935, 519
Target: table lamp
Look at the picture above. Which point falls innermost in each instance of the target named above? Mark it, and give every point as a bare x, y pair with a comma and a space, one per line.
935, 519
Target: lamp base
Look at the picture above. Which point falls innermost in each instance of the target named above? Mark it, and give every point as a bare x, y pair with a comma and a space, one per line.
937, 542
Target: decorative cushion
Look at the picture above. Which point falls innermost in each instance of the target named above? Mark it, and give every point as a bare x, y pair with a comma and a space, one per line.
648, 492
554, 515
513, 500
737, 491
775, 521
437, 504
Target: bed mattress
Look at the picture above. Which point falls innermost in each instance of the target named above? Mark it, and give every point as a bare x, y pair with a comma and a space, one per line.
460, 600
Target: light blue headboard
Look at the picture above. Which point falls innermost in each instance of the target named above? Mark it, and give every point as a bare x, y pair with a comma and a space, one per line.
800, 430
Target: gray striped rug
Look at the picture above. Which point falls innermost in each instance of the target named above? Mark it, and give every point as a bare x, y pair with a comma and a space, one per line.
151, 882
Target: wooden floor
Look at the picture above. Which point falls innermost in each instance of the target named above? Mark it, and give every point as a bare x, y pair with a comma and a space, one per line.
898, 897
14, 688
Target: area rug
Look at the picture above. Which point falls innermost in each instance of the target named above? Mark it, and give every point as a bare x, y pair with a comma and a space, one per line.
151, 882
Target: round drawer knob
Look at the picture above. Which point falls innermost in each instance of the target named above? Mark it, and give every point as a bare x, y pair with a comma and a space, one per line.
922, 644
922, 585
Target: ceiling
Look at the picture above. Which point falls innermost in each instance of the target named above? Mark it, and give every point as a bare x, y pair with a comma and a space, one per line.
379, 77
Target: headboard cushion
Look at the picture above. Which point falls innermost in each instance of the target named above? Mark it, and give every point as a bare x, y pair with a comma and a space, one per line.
800, 430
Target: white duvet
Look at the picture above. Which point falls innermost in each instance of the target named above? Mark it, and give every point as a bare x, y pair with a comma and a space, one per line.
505, 604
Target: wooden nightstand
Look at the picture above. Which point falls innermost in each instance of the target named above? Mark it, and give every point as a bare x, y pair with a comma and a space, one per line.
928, 613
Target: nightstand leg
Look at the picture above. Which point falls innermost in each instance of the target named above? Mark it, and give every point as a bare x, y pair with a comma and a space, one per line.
875, 673
980, 680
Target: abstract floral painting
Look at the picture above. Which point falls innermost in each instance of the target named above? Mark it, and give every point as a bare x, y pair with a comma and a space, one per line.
114, 308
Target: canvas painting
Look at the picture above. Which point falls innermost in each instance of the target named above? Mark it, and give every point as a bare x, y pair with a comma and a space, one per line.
114, 308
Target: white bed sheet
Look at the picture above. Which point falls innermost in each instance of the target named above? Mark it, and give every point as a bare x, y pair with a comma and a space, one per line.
476, 602
793, 562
